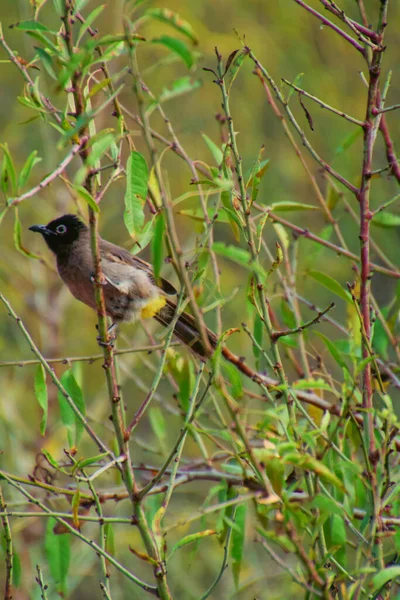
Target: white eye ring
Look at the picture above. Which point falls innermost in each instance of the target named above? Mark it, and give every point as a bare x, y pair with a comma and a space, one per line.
61, 229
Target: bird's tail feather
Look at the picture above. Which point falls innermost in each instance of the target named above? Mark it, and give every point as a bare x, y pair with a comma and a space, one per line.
186, 328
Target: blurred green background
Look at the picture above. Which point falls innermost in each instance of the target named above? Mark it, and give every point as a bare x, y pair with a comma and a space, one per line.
288, 41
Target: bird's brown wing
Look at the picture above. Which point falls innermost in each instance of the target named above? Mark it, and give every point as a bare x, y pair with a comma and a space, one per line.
115, 253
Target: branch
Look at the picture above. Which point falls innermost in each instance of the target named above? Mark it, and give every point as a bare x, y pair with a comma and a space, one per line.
329, 23
278, 334
75, 149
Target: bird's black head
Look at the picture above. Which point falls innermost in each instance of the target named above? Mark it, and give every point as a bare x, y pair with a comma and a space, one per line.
61, 233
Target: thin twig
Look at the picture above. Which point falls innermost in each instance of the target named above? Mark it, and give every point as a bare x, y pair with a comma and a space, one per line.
323, 104
45, 182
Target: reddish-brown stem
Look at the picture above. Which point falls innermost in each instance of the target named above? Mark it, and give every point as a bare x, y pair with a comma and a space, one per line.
329, 23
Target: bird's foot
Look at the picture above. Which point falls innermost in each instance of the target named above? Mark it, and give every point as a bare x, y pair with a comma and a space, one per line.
103, 279
112, 333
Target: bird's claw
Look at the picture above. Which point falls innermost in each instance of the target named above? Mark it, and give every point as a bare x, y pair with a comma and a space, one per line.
103, 279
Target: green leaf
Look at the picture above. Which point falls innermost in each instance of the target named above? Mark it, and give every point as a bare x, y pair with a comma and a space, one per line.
348, 141
181, 86
386, 219
137, 177
83, 193
275, 470
233, 66
157, 246
189, 539
30, 162
47, 61
197, 214
186, 381
239, 256
143, 238
178, 47
172, 18
18, 237
30, 26
110, 538
41, 395
68, 417
290, 206
88, 21
8, 171
331, 284
217, 153
238, 540
17, 569
232, 375
296, 82
86, 462
309, 463
258, 330
157, 422
58, 553
326, 505
99, 148
333, 350
338, 537
383, 577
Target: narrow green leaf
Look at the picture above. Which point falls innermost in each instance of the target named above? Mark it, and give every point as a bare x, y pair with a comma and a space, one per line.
309, 463
110, 538
143, 238
86, 462
296, 82
333, 350
326, 505
76, 501
157, 246
178, 47
8, 172
383, 577
17, 568
30, 162
234, 68
386, 219
258, 330
30, 26
68, 417
47, 61
83, 193
183, 85
186, 381
137, 176
239, 256
217, 153
189, 539
232, 375
58, 553
291, 206
99, 148
238, 540
172, 18
197, 214
18, 237
89, 20
331, 284
157, 422
348, 141
41, 395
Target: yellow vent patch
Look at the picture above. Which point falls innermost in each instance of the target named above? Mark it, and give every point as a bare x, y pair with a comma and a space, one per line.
153, 307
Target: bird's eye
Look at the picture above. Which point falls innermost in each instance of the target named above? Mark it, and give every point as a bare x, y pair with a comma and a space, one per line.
61, 229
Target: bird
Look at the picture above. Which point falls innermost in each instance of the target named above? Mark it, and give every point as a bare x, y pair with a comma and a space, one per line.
130, 289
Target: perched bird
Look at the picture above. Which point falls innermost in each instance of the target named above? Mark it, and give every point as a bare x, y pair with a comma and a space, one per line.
130, 290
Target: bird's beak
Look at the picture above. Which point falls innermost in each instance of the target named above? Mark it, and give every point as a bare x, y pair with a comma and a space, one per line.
42, 229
